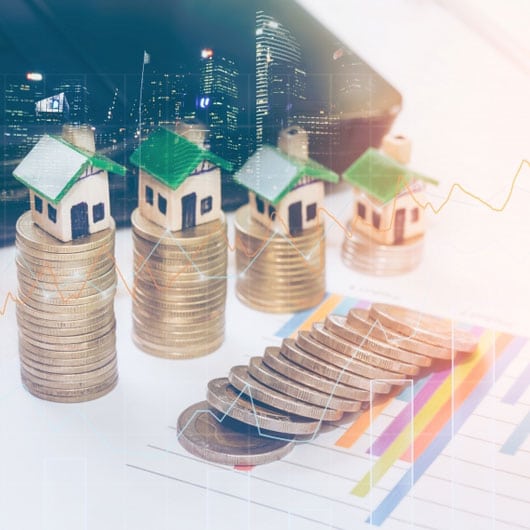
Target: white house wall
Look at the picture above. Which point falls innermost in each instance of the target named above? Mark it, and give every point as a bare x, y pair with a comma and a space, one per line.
92, 190
307, 194
203, 185
385, 234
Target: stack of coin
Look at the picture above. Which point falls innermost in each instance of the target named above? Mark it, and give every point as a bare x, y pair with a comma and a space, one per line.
341, 365
179, 290
362, 254
278, 273
65, 313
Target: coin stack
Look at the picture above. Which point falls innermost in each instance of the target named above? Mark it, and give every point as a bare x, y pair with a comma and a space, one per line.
278, 273
341, 365
362, 254
65, 313
179, 288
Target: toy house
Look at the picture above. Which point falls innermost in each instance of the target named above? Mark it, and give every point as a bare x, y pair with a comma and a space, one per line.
180, 180
286, 188
69, 189
387, 195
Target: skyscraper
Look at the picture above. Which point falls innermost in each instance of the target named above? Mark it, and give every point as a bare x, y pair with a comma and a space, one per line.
280, 77
218, 103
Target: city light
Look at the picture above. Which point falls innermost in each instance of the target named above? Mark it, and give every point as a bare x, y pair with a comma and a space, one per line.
206, 53
33, 76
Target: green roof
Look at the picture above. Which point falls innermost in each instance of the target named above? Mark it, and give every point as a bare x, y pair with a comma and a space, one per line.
272, 174
54, 165
171, 158
381, 176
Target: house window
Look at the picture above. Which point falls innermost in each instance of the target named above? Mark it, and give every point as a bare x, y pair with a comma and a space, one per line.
206, 205
415, 215
98, 212
162, 204
311, 211
272, 211
260, 205
52, 213
361, 210
149, 199
376, 219
38, 204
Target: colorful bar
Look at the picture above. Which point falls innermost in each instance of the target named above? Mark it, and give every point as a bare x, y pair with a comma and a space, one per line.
421, 464
323, 310
421, 420
408, 392
295, 321
460, 394
346, 304
518, 388
357, 429
517, 438
385, 440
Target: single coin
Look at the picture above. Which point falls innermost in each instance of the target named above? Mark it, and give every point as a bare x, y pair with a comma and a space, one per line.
240, 378
371, 375
209, 434
277, 361
424, 327
365, 341
335, 334
226, 399
269, 377
361, 321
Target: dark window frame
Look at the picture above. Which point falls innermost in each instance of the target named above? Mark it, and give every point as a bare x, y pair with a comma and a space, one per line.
162, 204
311, 211
98, 212
361, 210
38, 204
206, 205
149, 195
52, 213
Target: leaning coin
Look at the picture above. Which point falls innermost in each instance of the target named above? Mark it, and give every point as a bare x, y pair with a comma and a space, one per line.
360, 320
225, 398
277, 361
424, 327
309, 342
243, 381
209, 434
269, 377
335, 334
351, 333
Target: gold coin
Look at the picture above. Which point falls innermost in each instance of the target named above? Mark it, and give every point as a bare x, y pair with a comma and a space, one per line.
33, 235
186, 351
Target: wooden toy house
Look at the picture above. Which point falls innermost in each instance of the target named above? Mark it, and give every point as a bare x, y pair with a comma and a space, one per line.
69, 189
286, 188
180, 180
388, 196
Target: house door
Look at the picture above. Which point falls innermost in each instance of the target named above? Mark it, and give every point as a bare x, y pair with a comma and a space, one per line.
189, 206
295, 217
399, 226
79, 220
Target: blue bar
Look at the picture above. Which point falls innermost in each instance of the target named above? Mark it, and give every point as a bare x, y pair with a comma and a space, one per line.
406, 394
518, 387
400, 491
346, 304
517, 438
297, 320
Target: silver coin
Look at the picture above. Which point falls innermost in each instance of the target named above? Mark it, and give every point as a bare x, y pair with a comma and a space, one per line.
207, 433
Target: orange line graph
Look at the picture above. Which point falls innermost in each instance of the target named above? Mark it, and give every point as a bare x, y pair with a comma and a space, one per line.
239, 246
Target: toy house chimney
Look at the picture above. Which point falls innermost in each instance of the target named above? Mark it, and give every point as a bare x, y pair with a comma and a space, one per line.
80, 135
397, 147
193, 131
294, 142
